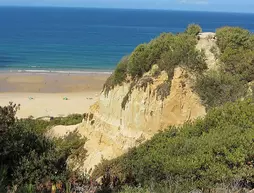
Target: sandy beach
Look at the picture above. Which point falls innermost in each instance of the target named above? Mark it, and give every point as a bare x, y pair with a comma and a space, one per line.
43, 94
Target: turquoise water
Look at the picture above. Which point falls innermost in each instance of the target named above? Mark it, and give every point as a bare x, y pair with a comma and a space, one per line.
90, 40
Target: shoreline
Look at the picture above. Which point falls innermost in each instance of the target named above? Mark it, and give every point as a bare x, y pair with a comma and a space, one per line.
13, 82
50, 104
83, 72
43, 95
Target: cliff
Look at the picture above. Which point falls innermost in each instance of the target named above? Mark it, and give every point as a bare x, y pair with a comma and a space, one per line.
113, 127
111, 130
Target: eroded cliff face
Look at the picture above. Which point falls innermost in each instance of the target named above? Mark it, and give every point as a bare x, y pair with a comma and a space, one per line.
111, 129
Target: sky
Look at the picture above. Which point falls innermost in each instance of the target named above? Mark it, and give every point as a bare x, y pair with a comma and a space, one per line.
192, 5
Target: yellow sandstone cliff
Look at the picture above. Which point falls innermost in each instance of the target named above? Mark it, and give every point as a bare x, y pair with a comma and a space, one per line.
111, 129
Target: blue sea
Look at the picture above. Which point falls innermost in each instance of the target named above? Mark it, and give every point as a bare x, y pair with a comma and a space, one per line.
90, 40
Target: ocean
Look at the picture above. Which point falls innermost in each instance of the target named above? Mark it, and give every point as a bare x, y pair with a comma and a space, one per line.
90, 40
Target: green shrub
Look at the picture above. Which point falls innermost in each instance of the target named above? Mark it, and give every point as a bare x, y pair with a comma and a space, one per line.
182, 53
72, 119
214, 150
42, 126
233, 37
216, 88
239, 62
157, 47
7, 117
137, 63
193, 29
38, 126
121, 71
28, 155
129, 189
237, 47
73, 146
236, 57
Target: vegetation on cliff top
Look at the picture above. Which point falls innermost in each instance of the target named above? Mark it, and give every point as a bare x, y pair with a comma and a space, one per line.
167, 51
208, 152
230, 82
193, 29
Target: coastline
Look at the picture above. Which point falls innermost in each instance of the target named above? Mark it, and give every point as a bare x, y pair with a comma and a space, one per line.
58, 71
30, 82
44, 94
50, 104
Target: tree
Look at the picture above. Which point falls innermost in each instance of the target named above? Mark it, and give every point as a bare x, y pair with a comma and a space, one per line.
193, 29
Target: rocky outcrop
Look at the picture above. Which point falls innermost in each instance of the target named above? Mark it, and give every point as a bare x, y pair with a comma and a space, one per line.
131, 113
207, 42
112, 129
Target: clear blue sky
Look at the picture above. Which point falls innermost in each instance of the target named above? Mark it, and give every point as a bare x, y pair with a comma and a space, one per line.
200, 5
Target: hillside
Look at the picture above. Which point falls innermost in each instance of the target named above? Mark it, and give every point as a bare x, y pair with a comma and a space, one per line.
211, 153
136, 102
168, 81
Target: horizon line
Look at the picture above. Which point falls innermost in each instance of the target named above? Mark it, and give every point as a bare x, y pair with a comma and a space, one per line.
115, 8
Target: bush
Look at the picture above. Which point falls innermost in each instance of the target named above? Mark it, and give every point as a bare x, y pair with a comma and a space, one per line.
72, 119
193, 29
239, 62
7, 117
42, 126
157, 47
121, 71
233, 37
38, 126
182, 53
137, 64
236, 70
72, 145
28, 155
199, 155
237, 47
216, 88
